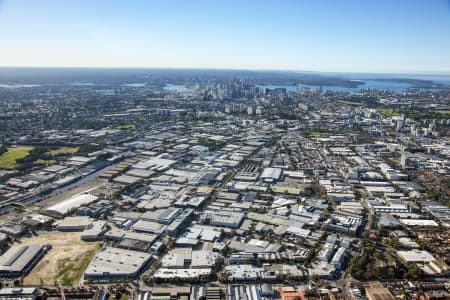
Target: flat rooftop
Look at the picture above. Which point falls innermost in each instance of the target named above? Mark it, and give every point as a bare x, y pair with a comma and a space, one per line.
117, 262
18, 258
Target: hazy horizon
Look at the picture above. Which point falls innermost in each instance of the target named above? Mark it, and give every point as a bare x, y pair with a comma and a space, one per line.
405, 37
314, 72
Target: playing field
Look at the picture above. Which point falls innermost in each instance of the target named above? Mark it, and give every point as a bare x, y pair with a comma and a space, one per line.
63, 150
442, 112
8, 159
289, 190
353, 103
126, 126
65, 262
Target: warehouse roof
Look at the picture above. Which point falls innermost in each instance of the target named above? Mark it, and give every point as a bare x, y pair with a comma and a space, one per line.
416, 256
18, 257
203, 258
74, 223
419, 222
181, 273
146, 226
65, 206
155, 163
116, 261
273, 173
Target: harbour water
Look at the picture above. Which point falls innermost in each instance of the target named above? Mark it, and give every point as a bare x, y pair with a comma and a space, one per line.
398, 87
15, 86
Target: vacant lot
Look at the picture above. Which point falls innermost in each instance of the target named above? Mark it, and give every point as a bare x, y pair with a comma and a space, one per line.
8, 159
65, 262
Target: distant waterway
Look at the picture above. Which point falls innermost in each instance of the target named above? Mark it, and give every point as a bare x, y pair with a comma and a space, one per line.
398, 87
134, 84
175, 88
442, 78
289, 88
82, 84
15, 86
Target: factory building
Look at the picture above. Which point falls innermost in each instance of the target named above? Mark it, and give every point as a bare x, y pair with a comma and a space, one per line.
112, 264
61, 209
23, 293
20, 259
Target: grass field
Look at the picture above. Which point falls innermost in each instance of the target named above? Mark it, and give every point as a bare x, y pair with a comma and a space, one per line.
414, 113
45, 162
126, 127
63, 150
442, 112
389, 112
351, 103
289, 190
8, 159
65, 262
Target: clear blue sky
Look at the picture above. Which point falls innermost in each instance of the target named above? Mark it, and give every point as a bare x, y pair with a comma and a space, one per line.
316, 35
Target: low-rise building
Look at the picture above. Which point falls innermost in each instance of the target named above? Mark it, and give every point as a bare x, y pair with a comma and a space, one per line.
18, 260
112, 264
63, 208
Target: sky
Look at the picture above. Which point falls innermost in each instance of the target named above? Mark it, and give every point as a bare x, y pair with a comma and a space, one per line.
398, 36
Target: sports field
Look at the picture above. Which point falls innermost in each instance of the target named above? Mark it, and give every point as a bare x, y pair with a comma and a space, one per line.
8, 159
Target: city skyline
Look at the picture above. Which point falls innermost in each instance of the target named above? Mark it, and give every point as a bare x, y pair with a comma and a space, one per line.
321, 36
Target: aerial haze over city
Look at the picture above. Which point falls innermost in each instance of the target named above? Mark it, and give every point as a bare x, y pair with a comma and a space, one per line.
238, 150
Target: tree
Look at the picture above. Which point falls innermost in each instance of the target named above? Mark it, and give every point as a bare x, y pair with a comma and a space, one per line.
391, 272
414, 272
315, 278
394, 243
3, 149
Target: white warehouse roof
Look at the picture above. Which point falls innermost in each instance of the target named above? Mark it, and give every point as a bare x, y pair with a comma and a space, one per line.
273, 173
65, 206
116, 262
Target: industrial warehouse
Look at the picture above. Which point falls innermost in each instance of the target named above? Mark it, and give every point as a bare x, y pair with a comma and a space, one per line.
112, 263
20, 259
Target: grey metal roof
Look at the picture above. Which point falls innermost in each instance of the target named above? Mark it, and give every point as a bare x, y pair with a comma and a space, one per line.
18, 257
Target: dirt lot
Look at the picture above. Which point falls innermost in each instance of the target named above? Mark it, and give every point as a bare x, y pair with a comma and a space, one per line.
65, 262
